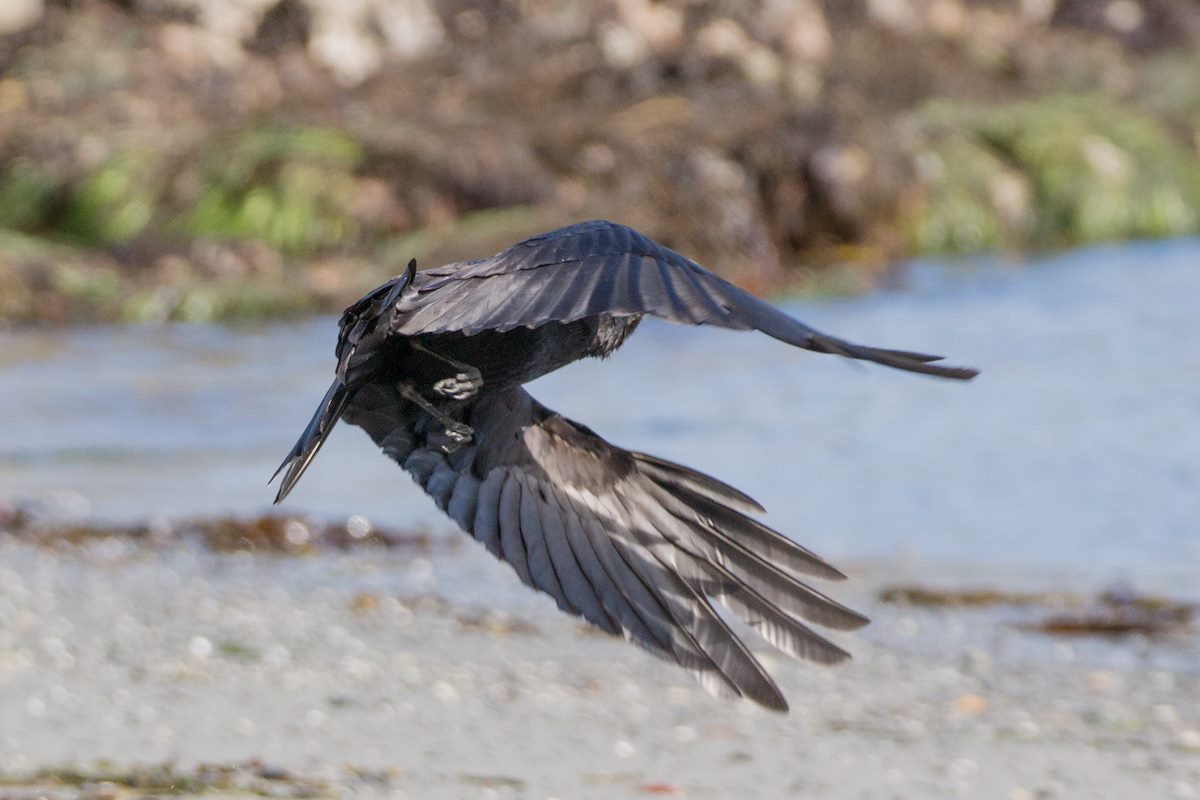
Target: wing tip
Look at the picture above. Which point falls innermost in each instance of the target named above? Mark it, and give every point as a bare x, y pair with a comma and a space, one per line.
855, 621
775, 702
922, 363
947, 371
907, 360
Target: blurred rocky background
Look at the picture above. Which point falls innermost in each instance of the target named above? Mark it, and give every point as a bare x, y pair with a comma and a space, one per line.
220, 159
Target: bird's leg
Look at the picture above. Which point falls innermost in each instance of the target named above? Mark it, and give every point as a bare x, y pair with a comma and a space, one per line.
466, 382
458, 432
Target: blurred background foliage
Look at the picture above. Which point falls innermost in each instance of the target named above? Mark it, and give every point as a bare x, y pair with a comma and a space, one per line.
201, 159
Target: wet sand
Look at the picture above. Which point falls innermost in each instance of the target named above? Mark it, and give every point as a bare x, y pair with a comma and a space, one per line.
362, 674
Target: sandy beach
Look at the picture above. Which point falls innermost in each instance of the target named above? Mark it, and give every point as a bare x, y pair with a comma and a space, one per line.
353, 674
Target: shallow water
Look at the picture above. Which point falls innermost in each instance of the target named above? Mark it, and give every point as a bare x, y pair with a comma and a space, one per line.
1077, 451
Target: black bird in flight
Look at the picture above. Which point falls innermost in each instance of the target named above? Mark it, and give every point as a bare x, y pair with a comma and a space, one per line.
431, 366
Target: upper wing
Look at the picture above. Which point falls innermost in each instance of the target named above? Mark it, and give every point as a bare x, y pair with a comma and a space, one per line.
599, 267
636, 545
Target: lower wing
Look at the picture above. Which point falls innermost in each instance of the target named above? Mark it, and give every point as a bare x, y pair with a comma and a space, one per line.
636, 545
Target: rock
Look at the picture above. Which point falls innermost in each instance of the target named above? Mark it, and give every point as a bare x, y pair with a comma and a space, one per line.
800, 28
410, 28
288, 23
345, 48
948, 18
1038, 11
1124, 16
970, 705
1139, 24
658, 25
720, 212
621, 45
722, 38
899, 15
843, 172
17, 15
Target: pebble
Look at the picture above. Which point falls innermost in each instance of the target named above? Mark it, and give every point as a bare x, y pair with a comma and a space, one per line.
445, 692
35, 707
1124, 16
1162, 681
297, 533
1028, 729
976, 661
970, 705
358, 526
276, 657
1103, 681
356, 668
1164, 714
200, 648
685, 733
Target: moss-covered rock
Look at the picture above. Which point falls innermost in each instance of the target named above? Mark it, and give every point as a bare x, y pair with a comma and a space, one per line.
28, 191
114, 203
288, 186
1049, 172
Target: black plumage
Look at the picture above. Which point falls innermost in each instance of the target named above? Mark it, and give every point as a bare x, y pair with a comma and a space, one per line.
431, 366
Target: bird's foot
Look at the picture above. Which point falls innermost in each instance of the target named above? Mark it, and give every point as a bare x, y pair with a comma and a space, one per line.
465, 384
458, 434
462, 386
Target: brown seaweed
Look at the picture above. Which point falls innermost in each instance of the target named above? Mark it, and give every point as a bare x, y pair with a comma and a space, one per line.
1111, 613
268, 533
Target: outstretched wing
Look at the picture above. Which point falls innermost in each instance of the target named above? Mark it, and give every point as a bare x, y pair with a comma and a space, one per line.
636, 545
602, 268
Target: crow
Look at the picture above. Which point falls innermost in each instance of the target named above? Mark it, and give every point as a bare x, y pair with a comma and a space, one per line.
431, 365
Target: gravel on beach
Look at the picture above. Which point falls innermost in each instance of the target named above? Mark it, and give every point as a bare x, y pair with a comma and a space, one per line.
393, 674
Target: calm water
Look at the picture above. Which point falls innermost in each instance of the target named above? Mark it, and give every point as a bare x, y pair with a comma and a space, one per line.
1078, 449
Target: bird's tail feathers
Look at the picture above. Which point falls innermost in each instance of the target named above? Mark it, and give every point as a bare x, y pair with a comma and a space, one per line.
306, 447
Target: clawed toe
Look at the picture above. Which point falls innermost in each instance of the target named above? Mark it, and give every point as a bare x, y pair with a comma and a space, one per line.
460, 387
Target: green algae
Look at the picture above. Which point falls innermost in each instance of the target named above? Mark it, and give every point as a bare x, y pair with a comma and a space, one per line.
1049, 172
104, 779
289, 187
